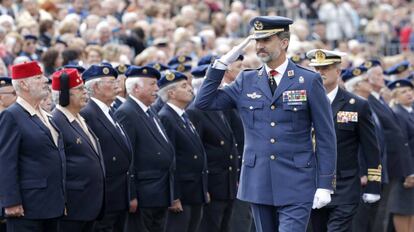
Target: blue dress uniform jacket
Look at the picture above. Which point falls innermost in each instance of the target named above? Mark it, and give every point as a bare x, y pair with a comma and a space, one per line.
191, 162
221, 150
407, 125
154, 161
355, 131
278, 156
117, 155
32, 167
85, 173
397, 148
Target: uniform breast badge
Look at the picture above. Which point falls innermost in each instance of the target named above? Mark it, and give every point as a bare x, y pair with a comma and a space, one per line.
346, 116
294, 97
301, 80
291, 73
254, 95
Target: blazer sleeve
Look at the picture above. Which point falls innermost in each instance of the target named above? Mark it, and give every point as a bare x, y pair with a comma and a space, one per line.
9, 157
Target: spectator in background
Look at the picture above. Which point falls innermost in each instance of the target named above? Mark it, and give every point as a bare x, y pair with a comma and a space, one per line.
71, 56
46, 33
52, 60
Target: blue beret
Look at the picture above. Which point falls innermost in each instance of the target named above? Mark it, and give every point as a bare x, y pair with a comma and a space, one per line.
371, 63
200, 71
169, 77
77, 67
400, 83
398, 68
265, 26
179, 60
142, 71
99, 70
33, 37
298, 57
122, 68
181, 67
207, 59
350, 73
5, 81
410, 77
158, 66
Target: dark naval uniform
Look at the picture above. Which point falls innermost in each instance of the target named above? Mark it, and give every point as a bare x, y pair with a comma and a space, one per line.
279, 165
355, 131
191, 170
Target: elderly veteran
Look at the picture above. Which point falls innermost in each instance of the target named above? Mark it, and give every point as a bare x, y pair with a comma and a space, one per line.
32, 159
355, 132
7, 93
279, 103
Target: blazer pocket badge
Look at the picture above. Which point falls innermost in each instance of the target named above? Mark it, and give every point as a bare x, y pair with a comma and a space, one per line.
254, 95
346, 116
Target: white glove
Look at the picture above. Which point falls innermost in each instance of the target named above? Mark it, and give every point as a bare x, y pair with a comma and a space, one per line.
370, 198
322, 198
235, 52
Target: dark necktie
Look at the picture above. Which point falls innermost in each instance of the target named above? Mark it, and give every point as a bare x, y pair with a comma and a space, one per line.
272, 81
188, 122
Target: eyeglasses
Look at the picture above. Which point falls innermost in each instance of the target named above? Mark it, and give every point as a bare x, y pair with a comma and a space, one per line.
80, 88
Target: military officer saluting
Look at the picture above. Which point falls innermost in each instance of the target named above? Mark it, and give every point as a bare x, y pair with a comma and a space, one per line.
279, 103
355, 131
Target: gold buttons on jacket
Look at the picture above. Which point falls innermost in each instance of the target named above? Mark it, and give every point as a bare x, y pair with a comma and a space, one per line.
195, 157
231, 157
114, 158
221, 142
272, 157
251, 107
272, 107
295, 109
272, 140
230, 168
272, 124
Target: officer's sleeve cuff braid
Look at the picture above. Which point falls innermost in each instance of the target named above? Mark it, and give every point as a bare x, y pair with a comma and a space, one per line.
374, 174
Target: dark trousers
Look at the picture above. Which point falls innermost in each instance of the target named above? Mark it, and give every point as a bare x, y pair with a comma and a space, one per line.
188, 220
112, 222
78, 226
241, 220
2, 225
147, 220
288, 218
333, 218
29, 225
217, 216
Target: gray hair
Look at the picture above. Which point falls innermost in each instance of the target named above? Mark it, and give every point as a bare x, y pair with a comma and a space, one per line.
163, 93
17, 83
130, 84
55, 97
89, 86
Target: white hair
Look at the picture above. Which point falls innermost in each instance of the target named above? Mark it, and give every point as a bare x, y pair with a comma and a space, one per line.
6, 18
350, 85
102, 25
129, 17
55, 97
163, 93
17, 83
196, 83
130, 84
89, 86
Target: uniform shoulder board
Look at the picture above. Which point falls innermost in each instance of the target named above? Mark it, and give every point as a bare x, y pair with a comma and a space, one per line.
305, 68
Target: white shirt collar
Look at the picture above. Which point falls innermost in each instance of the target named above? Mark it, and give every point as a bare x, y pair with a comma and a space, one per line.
66, 112
331, 95
121, 99
376, 95
408, 108
29, 108
142, 105
101, 105
177, 109
280, 70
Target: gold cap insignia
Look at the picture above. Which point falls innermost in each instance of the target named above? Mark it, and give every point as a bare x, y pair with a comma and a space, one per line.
320, 56
122, 68
157, 66
181, 59
2, 82
401, 68
181, 68
169, 76
368, 64
258, 25
105, 70
356, 72
145, 71
295, 58
397, 84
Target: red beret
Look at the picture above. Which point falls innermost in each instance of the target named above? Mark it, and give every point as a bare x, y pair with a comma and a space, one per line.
74, 78
25, 70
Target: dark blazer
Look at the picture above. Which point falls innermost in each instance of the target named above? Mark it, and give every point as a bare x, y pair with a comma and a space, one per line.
219, 144
352, 136
396, 145
153, 156
406, 121
236, 125
117, 154
32, 167
190, 158
85, 172
116, 104
157, 105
